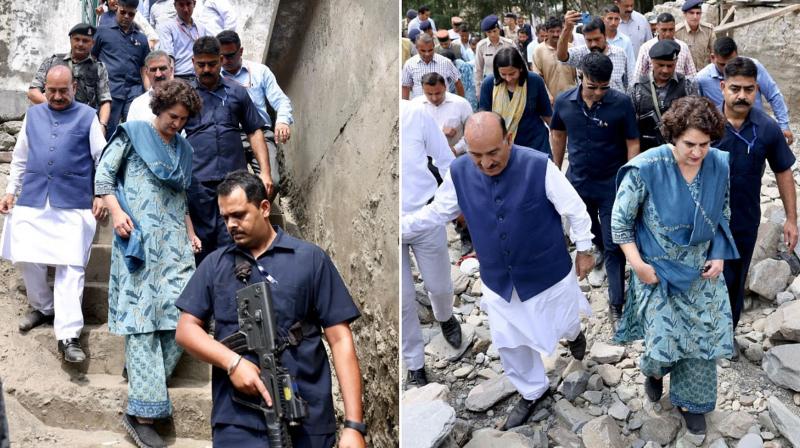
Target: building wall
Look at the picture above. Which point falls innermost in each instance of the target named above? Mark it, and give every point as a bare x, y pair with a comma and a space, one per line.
340, 68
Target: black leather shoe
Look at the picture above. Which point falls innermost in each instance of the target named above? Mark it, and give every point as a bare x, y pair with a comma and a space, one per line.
417, 378
33, 320
654, 388
695, 423
578, 347
615, 311
71, 349
451, 330
522, 412
735, 356
144, 435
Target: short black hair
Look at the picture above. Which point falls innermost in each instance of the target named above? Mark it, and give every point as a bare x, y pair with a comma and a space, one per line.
610, 8
524, 30
252, 185
423, 9
597, 67
511, 15
206, 45
128, 3
463, 28
724, 46
540, 27
229, 37
665, 17
432, 79
449, 54
740, 66
509, 57
553, 22
595, 24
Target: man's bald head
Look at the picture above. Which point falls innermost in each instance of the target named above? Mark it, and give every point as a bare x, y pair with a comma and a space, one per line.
488, 142
59, 87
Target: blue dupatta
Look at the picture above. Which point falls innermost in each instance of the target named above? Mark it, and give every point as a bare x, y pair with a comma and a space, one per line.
176, 175
687, 222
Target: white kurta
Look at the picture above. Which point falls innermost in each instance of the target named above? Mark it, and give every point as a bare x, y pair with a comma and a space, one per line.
47, 235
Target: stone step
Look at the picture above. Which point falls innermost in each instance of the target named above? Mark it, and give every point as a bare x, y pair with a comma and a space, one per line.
96, 402
104, 232
95, 302
99, 267
105, 354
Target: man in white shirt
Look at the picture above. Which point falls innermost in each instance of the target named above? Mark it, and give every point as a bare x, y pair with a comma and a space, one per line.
421, 138
158, 69
449, 111
217, 16
633, 24
614, 37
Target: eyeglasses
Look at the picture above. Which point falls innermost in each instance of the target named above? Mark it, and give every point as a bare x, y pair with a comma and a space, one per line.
606, 87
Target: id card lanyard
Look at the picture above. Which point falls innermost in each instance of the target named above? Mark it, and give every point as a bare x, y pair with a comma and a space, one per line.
270, 279
750, 143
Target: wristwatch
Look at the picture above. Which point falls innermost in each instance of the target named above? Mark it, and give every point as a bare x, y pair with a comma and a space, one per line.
358, 426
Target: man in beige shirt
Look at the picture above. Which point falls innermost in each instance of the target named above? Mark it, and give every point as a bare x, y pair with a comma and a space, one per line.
557, 77
698, 35
487, 48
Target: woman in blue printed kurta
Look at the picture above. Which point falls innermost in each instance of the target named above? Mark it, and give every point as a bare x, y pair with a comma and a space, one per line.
670, 218
143, 176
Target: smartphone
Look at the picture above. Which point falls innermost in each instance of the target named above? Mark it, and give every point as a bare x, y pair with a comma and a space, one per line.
586, 18
706, 268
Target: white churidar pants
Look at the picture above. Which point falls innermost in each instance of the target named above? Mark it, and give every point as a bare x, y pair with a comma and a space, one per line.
433, 261
65, 303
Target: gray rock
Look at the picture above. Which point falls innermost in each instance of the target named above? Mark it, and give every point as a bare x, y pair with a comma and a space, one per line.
421, 294
596, 277
784, 323
492, 438
573, 366
784, 297
787, 423
536, 437
11, 127
7, 142
540, 415
750, 441
635, 423
769, 236
611, 374
439, 348
639, 443
651, 444
593, 396
794, 287
659, 429
719, 443
426, 424
463, 371
461, 432
476, 290
766, 422
595, 382
689, 440
626, 392
769, 277
603, 353
602, 432
754, 353
460, 280
574, 384
564, 437
571, 416
487, 394
487, 373
428, 392
619, 411
736, 424
782, 364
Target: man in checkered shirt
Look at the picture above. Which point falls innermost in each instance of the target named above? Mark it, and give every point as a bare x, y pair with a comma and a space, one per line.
594, 33
426, 61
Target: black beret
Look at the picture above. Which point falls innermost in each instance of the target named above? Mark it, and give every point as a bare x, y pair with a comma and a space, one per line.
83, 29
665, 50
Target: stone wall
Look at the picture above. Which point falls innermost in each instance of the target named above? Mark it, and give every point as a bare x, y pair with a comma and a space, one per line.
338, 63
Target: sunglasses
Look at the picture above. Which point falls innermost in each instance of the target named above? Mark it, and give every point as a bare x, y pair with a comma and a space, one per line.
122, 12
596, 87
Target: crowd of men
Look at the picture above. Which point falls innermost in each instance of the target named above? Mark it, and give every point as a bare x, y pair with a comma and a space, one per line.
113, 76
610, 78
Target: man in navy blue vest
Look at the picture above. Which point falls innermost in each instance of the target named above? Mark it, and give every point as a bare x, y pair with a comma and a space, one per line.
603, 134
513, 198
53, 223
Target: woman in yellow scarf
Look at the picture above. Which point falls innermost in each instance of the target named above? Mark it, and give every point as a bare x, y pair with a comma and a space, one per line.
520, 97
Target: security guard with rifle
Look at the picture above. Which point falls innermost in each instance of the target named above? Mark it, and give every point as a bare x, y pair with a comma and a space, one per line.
271, 297
654, 93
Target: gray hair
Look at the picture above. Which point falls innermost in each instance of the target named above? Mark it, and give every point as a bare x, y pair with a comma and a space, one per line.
424, 39
157, 54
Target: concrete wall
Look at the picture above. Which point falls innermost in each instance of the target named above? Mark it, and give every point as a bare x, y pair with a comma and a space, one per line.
338, 62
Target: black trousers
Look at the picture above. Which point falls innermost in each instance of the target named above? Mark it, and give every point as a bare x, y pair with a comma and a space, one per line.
735, 273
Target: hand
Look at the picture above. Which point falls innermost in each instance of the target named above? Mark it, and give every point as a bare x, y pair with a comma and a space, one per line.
350, 438
714, 269
282, 133
449, 132
246, 379
7, 203
571, 18
123, 224
790, 234
789, 136
584, 263
267, 179
646, 274
99, 209
197, 245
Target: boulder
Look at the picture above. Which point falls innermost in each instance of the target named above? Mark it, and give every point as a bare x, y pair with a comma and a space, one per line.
487, 394
439, 348
7, 142
11, 127
428, 392
769, 236
769, 277
750, 441
574, 384
572, 417
794, 287
603, 353
784, 297
784, 323
460, 280
476, 290
492, 438
787, 423
611, 374
602, 432
565, 438
619, 411
736, 424
782, 364
426, 424
661, 430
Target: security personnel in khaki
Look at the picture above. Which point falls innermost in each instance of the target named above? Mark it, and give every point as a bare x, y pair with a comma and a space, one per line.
487, 48
698, 35
89, 73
